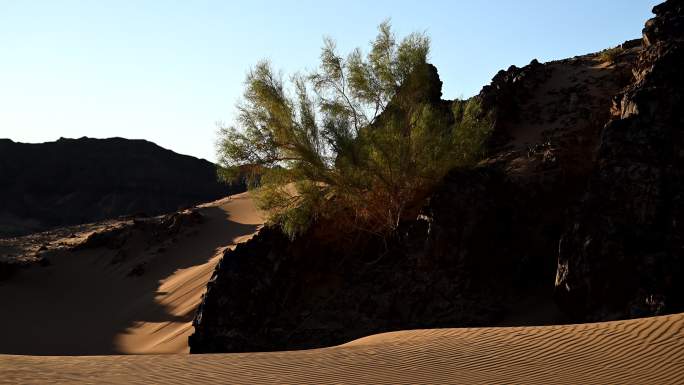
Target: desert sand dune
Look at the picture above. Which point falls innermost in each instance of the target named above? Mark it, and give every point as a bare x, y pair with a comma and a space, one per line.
641, 351
85, 304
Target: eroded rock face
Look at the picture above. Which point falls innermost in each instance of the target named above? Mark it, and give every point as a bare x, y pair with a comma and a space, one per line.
73, 181
622, 255
668, 24
508, 90
484, 244
274, 294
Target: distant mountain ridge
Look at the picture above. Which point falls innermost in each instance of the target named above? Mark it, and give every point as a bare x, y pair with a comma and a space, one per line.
73, 181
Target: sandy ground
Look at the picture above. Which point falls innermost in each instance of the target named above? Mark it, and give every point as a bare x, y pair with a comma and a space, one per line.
76, 315
83, 304
642, 351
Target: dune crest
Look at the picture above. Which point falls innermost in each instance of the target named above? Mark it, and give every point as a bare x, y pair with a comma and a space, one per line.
647, 350
132, 288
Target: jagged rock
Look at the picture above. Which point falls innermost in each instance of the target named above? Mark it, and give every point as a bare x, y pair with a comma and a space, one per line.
622, 254
175, 222
160, 228
273, 294
112, 238
667, 25
481, 246
629, 44
485, 241
507, 92
488, 238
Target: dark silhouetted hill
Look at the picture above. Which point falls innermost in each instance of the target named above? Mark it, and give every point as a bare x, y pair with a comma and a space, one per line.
73, 181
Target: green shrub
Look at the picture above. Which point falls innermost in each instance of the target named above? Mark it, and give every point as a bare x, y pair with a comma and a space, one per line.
610, 55
358, 142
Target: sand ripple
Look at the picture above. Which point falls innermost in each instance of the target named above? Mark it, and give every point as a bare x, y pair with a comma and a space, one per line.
649, 350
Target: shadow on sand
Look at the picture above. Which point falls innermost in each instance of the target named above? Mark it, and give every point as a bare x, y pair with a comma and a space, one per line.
82, 304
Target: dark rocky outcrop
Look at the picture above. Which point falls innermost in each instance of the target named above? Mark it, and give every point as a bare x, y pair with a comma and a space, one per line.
485, 248
485, 242
131, 240
74, 181
622, 256
507, 92
476, 252
156, 229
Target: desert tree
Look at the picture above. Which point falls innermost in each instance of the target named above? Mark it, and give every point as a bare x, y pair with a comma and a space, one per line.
358, 141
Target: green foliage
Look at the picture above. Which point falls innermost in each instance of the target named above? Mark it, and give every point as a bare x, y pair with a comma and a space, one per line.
471, 131
610, 55
361, 140
228, 175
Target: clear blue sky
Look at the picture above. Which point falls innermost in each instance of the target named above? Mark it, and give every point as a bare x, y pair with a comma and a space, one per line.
166, 71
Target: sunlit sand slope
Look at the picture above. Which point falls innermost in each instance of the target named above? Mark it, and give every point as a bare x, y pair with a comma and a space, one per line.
642, 351
83, 304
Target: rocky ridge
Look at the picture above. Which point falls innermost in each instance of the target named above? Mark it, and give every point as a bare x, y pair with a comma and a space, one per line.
75, 181
622, 254
485, 248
